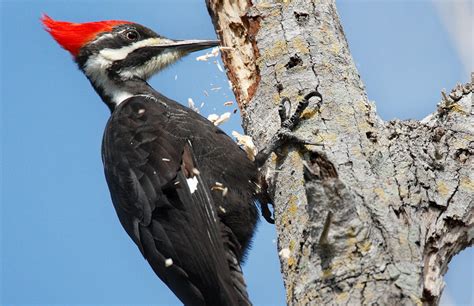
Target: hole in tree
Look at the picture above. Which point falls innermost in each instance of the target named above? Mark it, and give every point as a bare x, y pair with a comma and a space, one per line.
301, 18
295, 60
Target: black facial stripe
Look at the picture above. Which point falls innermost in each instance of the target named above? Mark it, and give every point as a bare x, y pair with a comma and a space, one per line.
136, 58
116, 41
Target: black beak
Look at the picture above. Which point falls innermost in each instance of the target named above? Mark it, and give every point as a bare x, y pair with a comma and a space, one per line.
189, 46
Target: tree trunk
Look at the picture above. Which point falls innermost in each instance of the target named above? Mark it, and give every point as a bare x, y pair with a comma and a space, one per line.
375, 212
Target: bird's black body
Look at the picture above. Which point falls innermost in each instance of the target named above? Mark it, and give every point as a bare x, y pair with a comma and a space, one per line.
143, 148
155, 151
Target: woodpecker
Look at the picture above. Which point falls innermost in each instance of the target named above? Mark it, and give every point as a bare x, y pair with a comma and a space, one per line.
183, 190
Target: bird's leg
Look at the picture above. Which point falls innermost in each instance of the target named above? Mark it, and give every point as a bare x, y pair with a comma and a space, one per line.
285, 133
283, 136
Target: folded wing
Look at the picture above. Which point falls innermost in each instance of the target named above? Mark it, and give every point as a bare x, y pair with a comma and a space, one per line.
165, 205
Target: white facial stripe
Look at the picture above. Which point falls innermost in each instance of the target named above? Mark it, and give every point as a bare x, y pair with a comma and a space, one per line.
120, 54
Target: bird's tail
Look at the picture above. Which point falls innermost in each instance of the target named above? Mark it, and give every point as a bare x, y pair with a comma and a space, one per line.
232, 248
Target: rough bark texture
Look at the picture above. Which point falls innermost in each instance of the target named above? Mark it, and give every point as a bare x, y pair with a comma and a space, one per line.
377, 211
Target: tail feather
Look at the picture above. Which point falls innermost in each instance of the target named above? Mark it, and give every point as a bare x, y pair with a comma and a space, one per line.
232, 248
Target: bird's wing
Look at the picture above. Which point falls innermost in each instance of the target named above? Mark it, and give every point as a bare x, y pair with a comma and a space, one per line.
166, 207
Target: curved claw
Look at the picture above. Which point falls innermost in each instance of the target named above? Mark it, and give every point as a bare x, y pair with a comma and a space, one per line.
291, 122
313, 94
266, 213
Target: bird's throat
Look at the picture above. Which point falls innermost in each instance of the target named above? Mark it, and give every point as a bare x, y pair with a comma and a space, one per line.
115, 91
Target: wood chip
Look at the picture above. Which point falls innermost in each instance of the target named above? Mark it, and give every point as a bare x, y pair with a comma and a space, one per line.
247, 144
222, 118
220, 187
219, 67
192, 106
217, 120
214, 53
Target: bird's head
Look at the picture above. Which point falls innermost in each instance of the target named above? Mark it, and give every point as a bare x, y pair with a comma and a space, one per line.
117, 49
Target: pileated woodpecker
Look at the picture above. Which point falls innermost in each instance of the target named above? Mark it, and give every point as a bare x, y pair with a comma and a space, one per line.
163, 160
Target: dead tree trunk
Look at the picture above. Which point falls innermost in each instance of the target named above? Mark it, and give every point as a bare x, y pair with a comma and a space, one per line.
376, 212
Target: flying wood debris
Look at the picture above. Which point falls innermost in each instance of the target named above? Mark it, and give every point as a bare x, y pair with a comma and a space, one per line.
168, 262
192, 106
166, 159
219, 66
223, 118
213, 117
228, 103
247, 144
217, 120
214, 53
220, 187
225, 48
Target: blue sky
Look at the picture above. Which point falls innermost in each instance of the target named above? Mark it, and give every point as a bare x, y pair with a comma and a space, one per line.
61, 242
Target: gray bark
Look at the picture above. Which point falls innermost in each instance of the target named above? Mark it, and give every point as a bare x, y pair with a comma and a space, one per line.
376, 211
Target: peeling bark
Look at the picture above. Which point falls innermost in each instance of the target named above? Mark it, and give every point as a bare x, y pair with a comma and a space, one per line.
376, 211
237, 31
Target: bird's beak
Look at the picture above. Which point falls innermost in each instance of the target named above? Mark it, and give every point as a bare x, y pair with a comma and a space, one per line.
188, 46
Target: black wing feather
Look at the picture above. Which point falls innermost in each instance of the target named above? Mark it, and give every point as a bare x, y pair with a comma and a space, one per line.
147, 169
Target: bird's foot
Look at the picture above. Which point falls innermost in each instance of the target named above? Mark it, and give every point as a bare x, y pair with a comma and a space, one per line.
285, 134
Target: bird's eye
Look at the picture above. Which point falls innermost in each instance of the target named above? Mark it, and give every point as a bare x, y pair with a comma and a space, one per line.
132, 35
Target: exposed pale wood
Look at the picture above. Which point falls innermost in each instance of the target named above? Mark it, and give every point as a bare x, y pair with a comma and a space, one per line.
397, 197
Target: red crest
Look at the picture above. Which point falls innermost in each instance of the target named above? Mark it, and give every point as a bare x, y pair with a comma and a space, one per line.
73, 36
